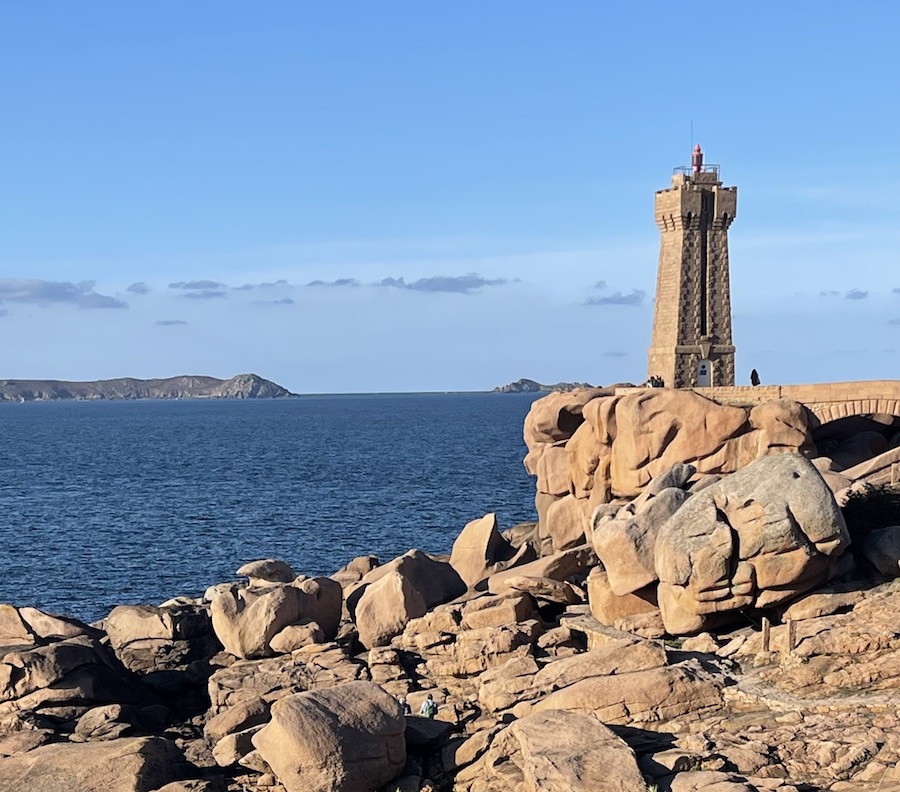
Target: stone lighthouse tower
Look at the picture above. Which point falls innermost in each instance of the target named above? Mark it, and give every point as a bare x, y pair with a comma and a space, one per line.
692, 344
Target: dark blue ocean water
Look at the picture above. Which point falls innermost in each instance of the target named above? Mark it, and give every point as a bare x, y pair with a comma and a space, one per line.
104, 503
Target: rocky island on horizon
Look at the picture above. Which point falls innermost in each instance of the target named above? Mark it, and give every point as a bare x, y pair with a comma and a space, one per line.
242, 386
532, 386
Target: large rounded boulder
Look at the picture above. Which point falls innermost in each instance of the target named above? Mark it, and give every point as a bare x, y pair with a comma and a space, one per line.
754, 539
348, 738
390, 596
247, 619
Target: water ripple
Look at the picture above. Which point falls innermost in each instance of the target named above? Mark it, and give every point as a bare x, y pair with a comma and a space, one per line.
107, 503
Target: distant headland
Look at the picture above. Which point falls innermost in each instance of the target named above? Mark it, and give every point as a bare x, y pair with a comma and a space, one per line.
530, 386
243, 386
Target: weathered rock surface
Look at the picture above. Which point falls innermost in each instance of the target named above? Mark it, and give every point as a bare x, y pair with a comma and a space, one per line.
572, 564
348, 738
640, 697
242, 715
755, 539
556, 417
387, 598
136, 764
62, 681
480, 550
555, 751
20, 627
148, 638
267, 570
309, 668
247, 619
321, 603
386, 607
566, 524
108, 722
659, 428
611, 608
617, 443
626, 545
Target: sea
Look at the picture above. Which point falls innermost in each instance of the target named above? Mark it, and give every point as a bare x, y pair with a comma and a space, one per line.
134, 502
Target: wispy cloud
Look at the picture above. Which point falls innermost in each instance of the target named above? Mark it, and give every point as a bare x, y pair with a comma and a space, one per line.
200, 289
270, 285
138, 288
41, 292
452, 284
4, 312
897, 290
634, 298
204, 294
352, 282
894, 321
601, 284
614, 354
829, 293
169, 322
204, 285
856, 294
282, 301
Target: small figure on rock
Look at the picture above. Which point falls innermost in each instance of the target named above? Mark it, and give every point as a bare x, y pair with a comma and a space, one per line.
754, 378
404, 705
657, 382
429, 707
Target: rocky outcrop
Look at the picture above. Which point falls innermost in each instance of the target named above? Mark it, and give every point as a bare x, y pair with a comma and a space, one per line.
243, 386
534, 692
246, 620
60, 681
615, 444
626, 542
604, 445
709, 631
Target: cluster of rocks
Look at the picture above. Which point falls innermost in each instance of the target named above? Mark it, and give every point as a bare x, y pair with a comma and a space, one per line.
598, 445
713, 633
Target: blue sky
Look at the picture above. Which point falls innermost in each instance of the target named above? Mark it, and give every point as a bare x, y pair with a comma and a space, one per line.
418, 196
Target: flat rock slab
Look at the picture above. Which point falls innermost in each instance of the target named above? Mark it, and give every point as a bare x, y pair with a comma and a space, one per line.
128, 765
650, 696
555, 751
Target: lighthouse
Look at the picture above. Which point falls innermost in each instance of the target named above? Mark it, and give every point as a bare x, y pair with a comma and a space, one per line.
691, 345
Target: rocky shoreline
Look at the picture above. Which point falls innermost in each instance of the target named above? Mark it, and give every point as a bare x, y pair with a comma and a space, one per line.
671, 627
